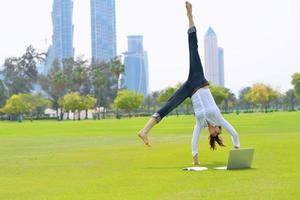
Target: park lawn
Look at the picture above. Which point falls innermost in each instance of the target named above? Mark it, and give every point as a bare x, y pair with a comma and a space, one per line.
106, 160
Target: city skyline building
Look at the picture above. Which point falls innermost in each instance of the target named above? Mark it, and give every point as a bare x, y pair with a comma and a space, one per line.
63, 31
136, 73
103, 30
221, 66
214, 58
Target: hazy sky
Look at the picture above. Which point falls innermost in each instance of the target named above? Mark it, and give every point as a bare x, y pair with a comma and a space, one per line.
261, 38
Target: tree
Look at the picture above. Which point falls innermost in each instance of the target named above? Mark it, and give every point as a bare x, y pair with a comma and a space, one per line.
18, 104
20, 73
66, 67
296, 83
166, 94
128, 100
72, 102
80, 75
55, 84
243, 102
230, 101
98, 80
219, 93
88, 102
150, 102
75, 102
40, 104
290, 99
104, 83
117, 68
4, 93
154, 95
262, 95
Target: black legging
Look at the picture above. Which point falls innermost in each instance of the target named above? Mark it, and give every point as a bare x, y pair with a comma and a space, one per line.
195, 80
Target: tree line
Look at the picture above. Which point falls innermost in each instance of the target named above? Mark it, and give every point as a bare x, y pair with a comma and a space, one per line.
97, 80
76, 85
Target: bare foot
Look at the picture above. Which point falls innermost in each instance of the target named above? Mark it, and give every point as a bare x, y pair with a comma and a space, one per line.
144, 137
188, 6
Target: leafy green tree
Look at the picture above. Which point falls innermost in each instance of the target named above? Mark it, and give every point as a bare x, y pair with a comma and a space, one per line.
40, 104
296, 83
20, 73
166, 94
88, 102
276, 100
72, 102
230, 102
80, 75
75, 102
261, 94
23, 103
128, 100
117, 68
66, 67
289, 99
154, 102
219, 93
55, 84
150, 103
146, 105
18, 104
104, 83
243, 102
98, 80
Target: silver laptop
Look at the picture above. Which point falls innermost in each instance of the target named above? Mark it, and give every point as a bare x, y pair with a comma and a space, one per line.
239, 159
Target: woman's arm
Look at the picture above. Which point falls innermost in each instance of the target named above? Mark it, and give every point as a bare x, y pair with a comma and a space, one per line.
229, 128
195, 137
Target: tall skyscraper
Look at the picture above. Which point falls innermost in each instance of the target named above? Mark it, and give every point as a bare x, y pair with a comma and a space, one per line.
221, 66
214, 65
62, 39
63, 29
103, 24
136, 76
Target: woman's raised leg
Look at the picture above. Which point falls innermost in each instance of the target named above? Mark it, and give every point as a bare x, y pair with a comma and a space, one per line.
196, 73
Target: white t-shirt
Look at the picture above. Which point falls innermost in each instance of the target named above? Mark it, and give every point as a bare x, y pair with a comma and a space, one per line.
206, 111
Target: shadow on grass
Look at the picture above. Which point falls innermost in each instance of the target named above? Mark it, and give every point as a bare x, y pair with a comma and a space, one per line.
210, 166
244, 169
213, 164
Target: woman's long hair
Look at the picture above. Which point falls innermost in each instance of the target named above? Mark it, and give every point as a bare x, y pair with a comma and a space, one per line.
215, 139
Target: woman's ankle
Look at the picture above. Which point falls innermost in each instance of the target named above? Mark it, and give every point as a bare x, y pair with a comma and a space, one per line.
196, 160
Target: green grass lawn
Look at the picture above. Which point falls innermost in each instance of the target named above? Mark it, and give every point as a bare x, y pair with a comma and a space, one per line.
106, 160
